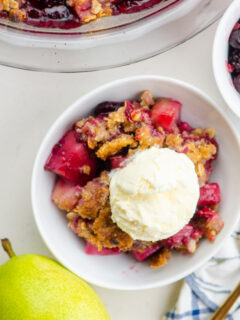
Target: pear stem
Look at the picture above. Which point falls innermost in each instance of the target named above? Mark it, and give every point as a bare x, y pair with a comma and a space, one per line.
6, 244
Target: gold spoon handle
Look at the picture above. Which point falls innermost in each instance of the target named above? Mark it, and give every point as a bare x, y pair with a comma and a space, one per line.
221, 313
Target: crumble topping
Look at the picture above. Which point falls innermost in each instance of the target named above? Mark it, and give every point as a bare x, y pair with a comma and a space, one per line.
147, 138
94, 197
147, 99
174, 141
112, 147
116, 118
160, 258
94, 217
12, 7
200, 151
89, 10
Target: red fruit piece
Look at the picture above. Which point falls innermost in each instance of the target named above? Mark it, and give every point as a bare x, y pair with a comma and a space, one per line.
66, 195
229, 67
209, 194
116, 162
179, 239
205, 213
236, 26
71, 160
185, 239
184, 126
166, 114
107, 107
209, 222
140, 256
90, 249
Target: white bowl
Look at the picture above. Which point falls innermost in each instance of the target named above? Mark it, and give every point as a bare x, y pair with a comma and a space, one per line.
220, 57
122, 271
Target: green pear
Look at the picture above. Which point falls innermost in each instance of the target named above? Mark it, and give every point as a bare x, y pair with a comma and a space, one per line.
34, 287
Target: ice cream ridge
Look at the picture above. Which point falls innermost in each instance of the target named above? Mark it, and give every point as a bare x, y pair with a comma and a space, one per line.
155, 194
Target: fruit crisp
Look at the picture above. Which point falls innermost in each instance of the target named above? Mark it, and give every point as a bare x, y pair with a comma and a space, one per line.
85, 155
68, 14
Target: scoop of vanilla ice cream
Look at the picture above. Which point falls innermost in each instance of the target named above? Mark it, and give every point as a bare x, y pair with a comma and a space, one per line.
155, 195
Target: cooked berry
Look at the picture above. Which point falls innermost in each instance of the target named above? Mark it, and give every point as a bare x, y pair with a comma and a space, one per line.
234, 39
234, 60
106, 107
131, 6
50, 14
184, 126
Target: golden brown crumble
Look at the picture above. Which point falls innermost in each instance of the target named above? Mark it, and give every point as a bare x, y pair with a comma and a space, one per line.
174, 141
198, 132
17, 15
146, 139
116, 118
108, 234
86, 170
136, 115
129, 127
201, 173
94, 205
71, 216
94, 132
79, 124
94, 197
12, 7
160, 258
200, 151
147, 99
96, 9
110, 148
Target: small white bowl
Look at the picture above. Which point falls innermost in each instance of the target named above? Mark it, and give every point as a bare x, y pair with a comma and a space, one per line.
220, 57
122, 271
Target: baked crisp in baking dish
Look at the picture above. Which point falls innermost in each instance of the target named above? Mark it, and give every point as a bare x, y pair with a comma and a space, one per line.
68, 14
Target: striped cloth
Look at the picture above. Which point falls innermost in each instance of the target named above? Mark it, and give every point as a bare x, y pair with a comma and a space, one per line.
206, 289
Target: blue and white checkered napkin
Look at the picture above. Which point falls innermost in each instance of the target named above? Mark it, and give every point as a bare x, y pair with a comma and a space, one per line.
206, 289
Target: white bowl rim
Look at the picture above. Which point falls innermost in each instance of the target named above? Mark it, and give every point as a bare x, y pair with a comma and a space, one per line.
224, 86
60, 119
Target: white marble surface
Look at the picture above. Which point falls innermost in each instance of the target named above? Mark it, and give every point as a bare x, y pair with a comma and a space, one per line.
30, 102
